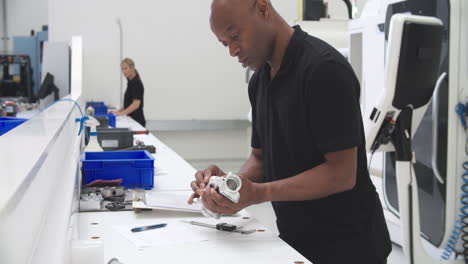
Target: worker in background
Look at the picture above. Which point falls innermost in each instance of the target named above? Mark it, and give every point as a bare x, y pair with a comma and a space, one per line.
308, 146
133, 98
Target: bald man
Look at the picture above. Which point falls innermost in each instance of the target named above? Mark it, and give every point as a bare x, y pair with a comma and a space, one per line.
308, 149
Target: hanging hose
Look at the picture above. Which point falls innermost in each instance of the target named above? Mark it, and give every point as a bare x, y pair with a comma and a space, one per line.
464, 212
460, 228
350, 8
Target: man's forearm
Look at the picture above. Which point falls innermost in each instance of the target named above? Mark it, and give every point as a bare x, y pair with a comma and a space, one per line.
321, 181
252, 169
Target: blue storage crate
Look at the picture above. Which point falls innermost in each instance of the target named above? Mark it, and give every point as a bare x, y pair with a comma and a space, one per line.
99, 107
110, 117
135, 168
8, 123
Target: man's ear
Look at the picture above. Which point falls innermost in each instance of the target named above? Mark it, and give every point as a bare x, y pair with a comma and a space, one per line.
263, 7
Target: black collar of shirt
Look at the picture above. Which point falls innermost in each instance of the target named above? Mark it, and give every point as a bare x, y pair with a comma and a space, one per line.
290, 54
136, 78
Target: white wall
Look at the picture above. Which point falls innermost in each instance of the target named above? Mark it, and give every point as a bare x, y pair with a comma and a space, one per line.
24, 15
288, 9
2, 43
337, 9
186, 72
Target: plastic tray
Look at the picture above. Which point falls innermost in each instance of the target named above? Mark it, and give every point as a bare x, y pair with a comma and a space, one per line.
135, 168
99, 107
8, 123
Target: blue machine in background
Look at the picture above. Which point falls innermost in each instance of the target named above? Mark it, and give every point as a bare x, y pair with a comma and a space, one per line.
32, 46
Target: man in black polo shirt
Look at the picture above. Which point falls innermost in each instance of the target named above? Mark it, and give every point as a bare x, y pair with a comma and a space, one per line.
308, 146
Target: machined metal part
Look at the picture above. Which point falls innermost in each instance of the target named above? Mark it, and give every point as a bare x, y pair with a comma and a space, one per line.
223, 227
228, 186
112, 191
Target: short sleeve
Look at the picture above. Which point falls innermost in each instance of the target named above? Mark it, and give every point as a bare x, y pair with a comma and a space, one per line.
333, 93
137, 91
255, 140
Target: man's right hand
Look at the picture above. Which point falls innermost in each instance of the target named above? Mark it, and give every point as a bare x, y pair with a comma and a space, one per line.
201, 180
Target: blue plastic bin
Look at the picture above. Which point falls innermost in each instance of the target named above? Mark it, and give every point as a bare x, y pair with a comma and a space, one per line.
99, 107
110, 117
8, 123
135, 168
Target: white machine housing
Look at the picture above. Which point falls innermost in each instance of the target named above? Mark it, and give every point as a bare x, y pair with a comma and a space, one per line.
388, 113
385, 108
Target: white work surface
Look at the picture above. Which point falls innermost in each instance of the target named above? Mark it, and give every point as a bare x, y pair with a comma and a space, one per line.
179, 242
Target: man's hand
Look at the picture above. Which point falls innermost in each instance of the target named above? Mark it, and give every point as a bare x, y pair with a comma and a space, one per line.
201, 180
250, 193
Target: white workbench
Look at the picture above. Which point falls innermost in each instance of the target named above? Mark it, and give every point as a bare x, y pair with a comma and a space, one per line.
179, 242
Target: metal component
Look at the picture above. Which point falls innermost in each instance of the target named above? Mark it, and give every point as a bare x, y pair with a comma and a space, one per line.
223, 227
200, 224
247, 232
90, 201
116, 206
228, 186
435, 128
107, 192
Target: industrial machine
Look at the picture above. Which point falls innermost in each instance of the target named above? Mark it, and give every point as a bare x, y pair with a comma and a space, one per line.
315, 10
431, 164
33, 47
413, 58
16, 85
431, 185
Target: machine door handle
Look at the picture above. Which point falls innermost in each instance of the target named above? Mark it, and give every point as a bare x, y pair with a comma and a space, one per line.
435, 127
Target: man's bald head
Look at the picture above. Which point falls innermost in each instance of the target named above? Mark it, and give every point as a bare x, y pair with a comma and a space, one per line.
245, 7
246, 27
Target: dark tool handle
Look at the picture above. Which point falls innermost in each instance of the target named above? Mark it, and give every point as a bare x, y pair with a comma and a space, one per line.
226, 227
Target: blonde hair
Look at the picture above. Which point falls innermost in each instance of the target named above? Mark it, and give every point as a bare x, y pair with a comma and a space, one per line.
129, 62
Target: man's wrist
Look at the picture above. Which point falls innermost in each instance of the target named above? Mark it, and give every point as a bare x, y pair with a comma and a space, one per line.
263, 192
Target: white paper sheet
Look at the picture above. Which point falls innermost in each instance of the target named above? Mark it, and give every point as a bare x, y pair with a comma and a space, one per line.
174, 200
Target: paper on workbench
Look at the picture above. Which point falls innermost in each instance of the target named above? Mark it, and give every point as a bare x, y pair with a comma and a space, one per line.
126, 232
177, 233
171, 200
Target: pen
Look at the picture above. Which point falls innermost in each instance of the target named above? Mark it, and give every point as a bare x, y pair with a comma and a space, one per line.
144, 228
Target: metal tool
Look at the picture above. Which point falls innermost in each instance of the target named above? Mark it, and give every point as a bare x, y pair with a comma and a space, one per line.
223, 227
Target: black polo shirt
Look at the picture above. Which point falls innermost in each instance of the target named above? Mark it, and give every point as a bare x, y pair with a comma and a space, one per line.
310, 108
135, 90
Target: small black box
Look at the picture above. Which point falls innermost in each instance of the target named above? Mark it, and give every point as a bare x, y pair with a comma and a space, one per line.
114, 138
